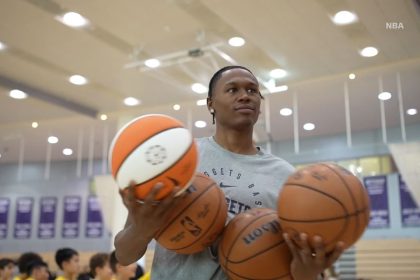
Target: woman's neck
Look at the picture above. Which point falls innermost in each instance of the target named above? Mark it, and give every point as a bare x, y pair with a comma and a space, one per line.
235, 141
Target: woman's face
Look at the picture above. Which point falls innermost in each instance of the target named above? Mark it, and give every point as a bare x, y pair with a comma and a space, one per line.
236, 99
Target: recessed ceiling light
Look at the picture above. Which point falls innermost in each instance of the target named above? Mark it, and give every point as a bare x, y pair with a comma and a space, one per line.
200, 124
352, 76
308, 126
412, 111
344, 17
131, 101
236, 41
369, 52
67, 151
104, 117
176, 107
152, 63
278, 73
199, 88
74, 19
34, 124
78, 80
52, 140
17, 94
2, 46
384, 95
286, 111
201, 102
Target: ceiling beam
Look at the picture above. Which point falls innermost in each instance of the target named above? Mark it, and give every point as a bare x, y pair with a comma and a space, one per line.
48, 97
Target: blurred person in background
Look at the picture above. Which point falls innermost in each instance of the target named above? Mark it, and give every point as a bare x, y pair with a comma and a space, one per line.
38, 270
67, 260
23, 261
100, 268
122, 272
7, 267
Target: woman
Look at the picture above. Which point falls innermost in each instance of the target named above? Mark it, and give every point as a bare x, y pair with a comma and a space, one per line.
248, 175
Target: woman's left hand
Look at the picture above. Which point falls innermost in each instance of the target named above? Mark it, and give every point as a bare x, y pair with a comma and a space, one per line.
308, 263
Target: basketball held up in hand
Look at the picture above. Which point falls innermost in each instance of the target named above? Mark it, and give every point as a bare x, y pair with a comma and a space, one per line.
327, 200
153, 149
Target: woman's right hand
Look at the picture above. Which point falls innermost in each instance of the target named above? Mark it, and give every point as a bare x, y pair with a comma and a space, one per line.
144, 219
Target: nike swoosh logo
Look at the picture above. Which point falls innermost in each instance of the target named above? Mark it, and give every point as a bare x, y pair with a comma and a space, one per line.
226, 186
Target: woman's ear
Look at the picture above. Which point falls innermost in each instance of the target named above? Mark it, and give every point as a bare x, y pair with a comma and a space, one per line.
209, 105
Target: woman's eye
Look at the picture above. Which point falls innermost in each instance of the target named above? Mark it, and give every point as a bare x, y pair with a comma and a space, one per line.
252, 90
231, 90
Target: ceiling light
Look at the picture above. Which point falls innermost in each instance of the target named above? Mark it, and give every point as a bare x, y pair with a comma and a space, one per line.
73, 19
131, 101
67, 152
176, 107
34, 124
236, 41
412, 111
152, 63
199, 88
200, 124
0, 155
78, 80
308, 126
344, 17
384, 95
286, 111
52, 140
352, 76
104, 117
17, 94
278, 89
2, 46
369, 52
278, 73
201, 102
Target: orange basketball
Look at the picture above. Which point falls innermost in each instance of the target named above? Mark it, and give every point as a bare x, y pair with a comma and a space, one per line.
327, 200
252, 247
197, 220
151, 149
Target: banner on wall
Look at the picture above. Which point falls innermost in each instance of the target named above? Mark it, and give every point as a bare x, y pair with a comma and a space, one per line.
71, 216
4, 214
94, 223
46, 226
378, 194
410, 211
23, 221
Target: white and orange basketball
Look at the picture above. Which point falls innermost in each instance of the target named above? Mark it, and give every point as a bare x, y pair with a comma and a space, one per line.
151, 149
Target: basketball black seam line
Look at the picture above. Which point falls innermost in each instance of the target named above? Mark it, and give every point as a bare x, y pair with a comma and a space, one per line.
333, 198
183, 209
135, 147
240, 232
247, 278
208, 229
327, 219
260, 252
353, 199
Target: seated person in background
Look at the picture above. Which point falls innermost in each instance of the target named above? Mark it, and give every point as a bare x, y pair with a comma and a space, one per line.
6, 269
23, 261
38, 270
122, 272
67, 260
100, 268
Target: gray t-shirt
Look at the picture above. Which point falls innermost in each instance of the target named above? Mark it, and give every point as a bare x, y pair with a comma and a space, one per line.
248, 181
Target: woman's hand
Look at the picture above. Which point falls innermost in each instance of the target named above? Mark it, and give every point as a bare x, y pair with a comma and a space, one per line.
144, 219
307, 262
